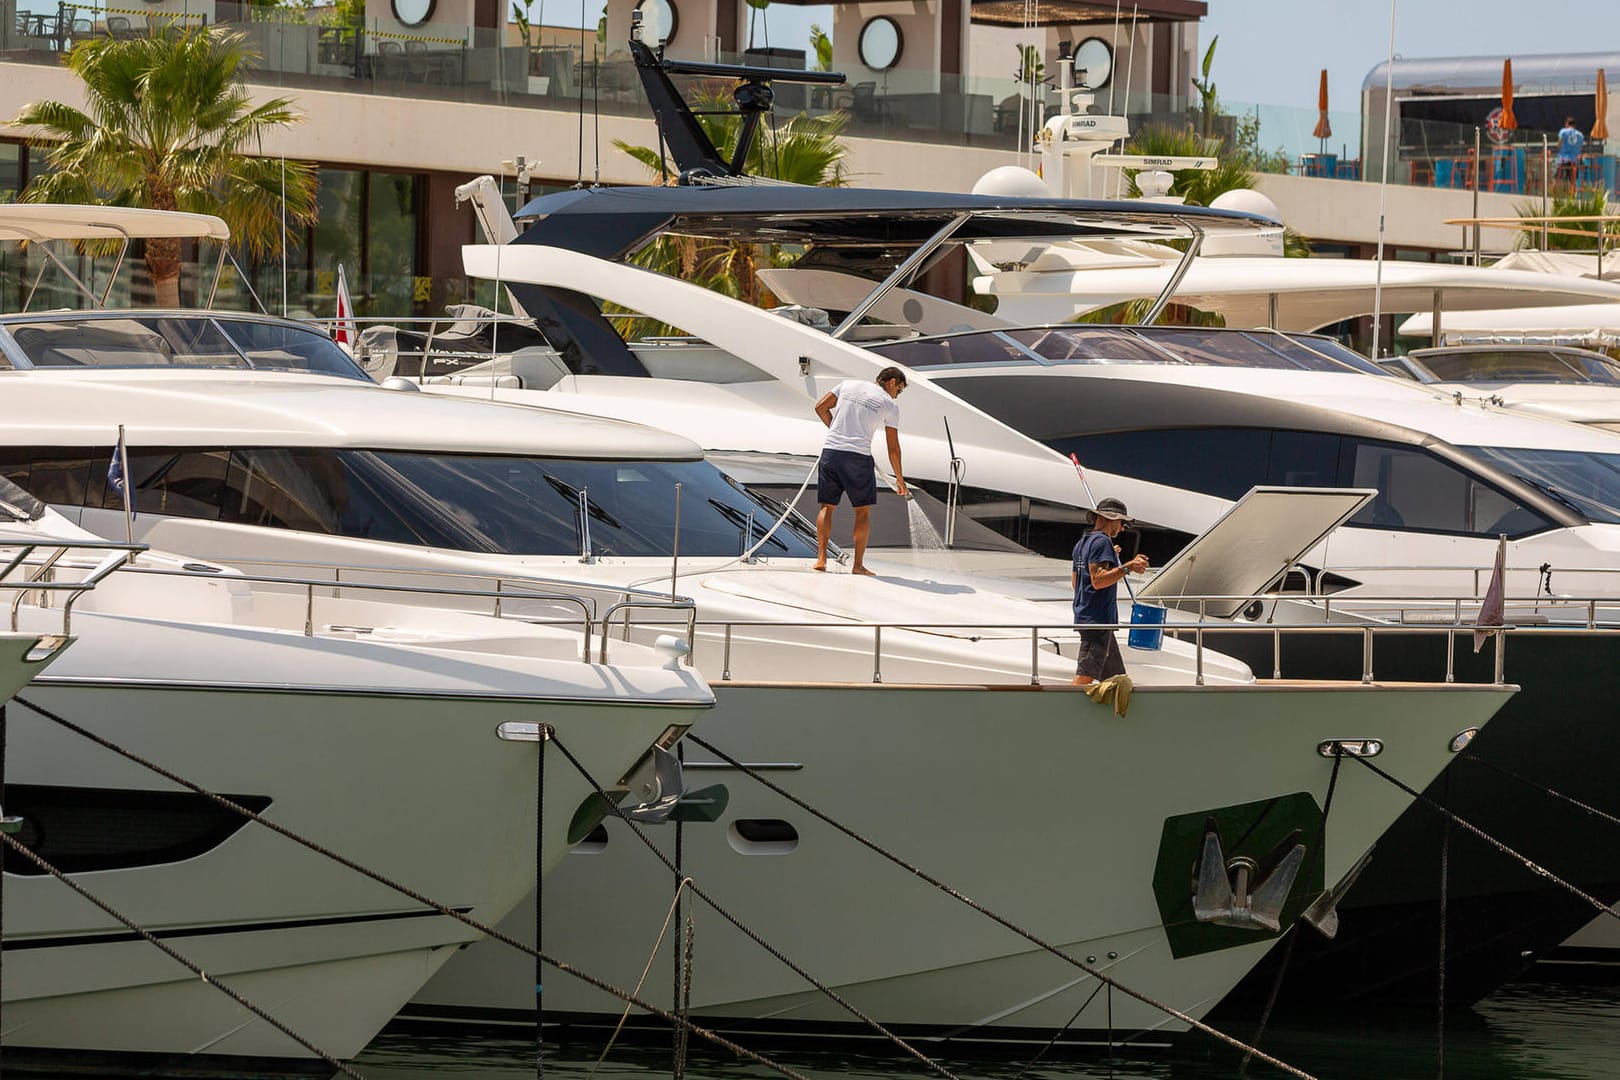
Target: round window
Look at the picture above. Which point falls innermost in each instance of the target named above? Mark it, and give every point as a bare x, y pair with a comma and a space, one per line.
881, 43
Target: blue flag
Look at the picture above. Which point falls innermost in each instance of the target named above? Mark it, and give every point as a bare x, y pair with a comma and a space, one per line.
118, 474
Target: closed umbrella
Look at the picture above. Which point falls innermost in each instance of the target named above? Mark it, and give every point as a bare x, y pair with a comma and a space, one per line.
1324, 130
1600, 126
1509, 122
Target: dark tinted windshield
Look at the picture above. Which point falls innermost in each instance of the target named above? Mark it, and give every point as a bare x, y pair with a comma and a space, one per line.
1588, 483
170, 341
1518, 365
464, 502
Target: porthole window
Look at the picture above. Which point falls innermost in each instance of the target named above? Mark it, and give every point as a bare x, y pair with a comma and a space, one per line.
762, 836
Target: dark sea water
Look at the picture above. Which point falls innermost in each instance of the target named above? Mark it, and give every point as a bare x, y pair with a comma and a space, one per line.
1532, 1030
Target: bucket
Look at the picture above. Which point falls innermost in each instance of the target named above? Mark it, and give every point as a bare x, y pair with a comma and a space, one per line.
1147, 626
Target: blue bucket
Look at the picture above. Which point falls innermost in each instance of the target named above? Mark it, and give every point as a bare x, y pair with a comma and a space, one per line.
1147, 626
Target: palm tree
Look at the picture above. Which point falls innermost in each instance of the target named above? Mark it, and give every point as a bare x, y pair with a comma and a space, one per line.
1582, 202
168, 125
801, 150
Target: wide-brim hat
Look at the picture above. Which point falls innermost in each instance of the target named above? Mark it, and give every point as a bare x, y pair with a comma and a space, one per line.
1112, 509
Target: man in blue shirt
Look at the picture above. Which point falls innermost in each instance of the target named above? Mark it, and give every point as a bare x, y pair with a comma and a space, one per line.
1570, 142
1097, 573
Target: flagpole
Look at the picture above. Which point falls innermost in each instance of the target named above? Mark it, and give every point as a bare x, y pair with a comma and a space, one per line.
129, 509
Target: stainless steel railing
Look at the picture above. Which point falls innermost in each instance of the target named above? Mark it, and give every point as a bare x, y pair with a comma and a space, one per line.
39, 573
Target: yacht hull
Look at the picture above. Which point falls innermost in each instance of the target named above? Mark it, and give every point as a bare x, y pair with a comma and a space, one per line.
415, 786
1500, 917
1037, 802
22, 656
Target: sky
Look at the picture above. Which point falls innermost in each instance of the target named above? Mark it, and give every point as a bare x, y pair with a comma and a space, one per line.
1272, 51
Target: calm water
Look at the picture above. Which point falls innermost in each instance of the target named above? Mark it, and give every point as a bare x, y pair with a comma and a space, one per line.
1535, 1031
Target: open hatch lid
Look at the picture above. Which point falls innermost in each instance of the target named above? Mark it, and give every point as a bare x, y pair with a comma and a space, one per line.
1252, 546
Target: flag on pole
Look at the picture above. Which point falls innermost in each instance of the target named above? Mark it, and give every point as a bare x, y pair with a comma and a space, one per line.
344, 331
1491, 608
118, 480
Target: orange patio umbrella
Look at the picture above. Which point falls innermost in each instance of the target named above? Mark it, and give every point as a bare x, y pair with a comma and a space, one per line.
1600, 126
1509, 122
1324, 130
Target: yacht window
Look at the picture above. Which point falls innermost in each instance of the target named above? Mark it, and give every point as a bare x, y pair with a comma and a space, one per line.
1089, 345
1225, 462
55, 475
1501, 365
1588, 483
276, 346
1226, 348
530, 506
990, 348
1421, 492
179, 341
1598, 368
174, 482
1344, 354
1304, 459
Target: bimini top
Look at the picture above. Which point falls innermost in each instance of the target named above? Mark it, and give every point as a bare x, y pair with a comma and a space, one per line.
610, 222
37, 222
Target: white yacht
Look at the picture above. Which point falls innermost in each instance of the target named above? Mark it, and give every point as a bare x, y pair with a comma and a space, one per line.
398, 735
869, 696
1556, 381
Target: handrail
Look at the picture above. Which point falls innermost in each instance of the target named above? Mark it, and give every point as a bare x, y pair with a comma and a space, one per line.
628, 605
40, 576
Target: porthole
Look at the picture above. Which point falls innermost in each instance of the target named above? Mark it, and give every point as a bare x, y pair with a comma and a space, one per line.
762, 836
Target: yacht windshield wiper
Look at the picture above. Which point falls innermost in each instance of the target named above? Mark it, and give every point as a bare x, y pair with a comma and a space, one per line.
746, 525
572, 494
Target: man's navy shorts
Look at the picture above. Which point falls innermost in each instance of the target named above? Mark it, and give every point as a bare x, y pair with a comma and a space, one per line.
845, 470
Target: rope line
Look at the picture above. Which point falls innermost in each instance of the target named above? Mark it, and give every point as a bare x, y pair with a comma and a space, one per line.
1468, 826
699, 892
663, 932
540, 903
461, 917
1440, 969
207, 979
1168, 1010
1058, 1034
1544, 789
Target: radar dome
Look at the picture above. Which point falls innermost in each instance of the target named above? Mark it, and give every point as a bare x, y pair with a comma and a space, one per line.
1012, 180
1247, 201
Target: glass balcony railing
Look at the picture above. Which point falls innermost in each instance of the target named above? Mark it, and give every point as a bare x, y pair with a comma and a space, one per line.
313, 48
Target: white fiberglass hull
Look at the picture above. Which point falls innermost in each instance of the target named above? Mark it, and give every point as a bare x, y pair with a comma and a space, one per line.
22, 656
1038, 803
411, 782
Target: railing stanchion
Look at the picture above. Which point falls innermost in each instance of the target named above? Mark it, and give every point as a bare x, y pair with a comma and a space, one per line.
725, 663
497, 598
309, 610
1198, 643
1034, 656
1451, 654
1501, 651
1366, 654
1591, 614
877, 653
1276, 653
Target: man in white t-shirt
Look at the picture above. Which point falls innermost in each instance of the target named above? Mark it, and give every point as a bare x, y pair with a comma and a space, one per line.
853, 411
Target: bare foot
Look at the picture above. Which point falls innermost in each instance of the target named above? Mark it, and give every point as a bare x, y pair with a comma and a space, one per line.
820, 566
863, 571
1083, 680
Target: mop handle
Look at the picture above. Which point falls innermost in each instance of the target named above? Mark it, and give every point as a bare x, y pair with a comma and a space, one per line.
1086, 484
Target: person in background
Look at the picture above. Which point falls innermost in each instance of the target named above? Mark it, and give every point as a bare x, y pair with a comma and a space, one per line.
1096, 577
1570, 142
853, 411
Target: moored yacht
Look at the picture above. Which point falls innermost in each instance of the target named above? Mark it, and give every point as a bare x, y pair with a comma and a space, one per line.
398, 735
874, 693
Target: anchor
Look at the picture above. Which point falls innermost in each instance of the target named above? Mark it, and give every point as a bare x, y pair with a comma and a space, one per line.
1323, 913
10, 825
1234, 892
657, 784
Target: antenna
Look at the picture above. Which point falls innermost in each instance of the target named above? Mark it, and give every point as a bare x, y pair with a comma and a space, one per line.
1383, 184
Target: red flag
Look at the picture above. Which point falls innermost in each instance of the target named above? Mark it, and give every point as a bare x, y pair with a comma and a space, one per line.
1491, 608
344, 331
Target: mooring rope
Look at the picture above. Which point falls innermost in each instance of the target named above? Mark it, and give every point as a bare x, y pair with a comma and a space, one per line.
1058, 1034
1468, 826
441, 909
2, 853
207, 979
753, 936
663, 931
1543, 788
539, 904
1027, 935
1440, 970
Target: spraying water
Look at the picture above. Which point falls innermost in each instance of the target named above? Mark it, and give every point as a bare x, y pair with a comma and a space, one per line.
924, 537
